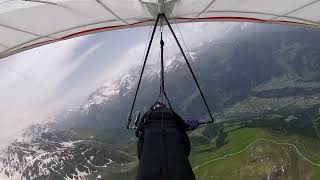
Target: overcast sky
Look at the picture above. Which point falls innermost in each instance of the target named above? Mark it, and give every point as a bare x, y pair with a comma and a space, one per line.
40, 82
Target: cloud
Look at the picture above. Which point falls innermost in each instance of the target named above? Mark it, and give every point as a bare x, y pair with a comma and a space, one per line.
64, 96
29, 78
42, 81
194, 35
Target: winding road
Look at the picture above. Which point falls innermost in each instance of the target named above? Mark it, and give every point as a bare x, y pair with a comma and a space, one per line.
261, 139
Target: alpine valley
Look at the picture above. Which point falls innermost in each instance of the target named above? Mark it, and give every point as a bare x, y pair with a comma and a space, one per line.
262, 82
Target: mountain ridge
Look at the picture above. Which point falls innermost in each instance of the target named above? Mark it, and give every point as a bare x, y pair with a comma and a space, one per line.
250, 73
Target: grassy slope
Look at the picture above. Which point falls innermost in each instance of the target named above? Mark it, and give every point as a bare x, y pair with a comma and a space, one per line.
259, 159
255, 162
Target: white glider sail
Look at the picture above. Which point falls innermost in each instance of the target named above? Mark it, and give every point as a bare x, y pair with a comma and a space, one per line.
25, 24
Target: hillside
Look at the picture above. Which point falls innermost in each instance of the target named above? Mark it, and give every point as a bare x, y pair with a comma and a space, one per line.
261, 81
257, 153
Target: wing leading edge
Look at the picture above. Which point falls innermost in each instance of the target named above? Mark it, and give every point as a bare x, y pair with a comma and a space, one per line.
26, 24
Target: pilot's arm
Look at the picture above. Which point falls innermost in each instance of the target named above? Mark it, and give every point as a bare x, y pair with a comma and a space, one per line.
188, 125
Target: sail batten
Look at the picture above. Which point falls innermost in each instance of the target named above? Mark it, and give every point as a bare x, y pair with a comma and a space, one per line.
28, 24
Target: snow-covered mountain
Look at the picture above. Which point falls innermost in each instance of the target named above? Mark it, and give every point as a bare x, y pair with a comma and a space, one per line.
78, 143
64, 154
52, 150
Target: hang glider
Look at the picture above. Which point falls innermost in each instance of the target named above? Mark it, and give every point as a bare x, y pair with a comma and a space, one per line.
25, 24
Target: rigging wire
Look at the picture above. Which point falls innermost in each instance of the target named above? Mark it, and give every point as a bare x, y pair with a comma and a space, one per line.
162, 93
142, 70
189, 54
185, 44
146, 45
162, 68
156, 72
156, 38
158, 75
162, 59
191, 71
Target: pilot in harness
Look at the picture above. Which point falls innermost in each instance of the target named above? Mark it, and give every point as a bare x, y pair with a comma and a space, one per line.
163, 143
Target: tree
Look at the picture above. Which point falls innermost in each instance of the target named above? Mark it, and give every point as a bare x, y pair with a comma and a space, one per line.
221, 139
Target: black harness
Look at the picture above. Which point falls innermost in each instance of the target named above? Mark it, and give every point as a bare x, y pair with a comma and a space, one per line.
163, 147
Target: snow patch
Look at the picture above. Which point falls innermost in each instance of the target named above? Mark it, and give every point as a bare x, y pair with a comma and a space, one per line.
80, 175
70, 144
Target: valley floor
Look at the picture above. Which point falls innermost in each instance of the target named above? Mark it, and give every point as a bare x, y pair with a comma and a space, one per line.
258, 154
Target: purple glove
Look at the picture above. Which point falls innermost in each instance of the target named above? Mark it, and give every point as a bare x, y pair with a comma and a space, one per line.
193, 124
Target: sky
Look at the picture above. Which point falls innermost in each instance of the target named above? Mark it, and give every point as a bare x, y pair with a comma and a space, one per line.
41, 82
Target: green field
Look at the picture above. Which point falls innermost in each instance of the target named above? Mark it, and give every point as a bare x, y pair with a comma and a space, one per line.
249, 154
256, 153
